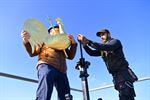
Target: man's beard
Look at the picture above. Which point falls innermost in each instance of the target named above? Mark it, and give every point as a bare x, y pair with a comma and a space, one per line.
104, 40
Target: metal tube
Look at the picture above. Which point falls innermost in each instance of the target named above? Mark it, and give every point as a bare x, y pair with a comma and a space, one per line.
28, 80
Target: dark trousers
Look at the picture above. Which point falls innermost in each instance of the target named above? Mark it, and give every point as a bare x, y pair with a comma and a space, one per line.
126, 92
124, 86
49, 77
121, 97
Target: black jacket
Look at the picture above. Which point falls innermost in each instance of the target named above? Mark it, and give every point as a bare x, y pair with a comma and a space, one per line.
111, 53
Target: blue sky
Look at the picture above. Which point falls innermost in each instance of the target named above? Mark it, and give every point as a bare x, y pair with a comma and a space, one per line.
127, 20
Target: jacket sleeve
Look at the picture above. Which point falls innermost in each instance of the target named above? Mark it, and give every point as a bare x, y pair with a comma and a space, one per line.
36, 51
71, 51
110, 46
92, 52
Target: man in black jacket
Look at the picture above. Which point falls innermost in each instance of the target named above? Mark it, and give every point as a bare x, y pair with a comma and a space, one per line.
111, 51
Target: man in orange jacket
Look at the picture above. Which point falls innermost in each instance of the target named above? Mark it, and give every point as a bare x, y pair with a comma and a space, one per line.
51, 67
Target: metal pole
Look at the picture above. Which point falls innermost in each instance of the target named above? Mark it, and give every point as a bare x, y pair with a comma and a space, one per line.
81, 50
28, 80
82, 66
18, 77
85, 88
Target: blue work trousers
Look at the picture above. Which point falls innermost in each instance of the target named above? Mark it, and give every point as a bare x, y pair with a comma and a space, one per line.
49, 77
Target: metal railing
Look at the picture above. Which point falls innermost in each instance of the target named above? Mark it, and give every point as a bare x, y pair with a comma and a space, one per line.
6, 75
111, 85
73, 89
27, 79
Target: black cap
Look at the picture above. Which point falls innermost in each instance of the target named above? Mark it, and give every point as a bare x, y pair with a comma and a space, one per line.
102, 31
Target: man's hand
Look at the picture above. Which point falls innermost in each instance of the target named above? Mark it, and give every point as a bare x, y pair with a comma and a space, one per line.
82, 39
72, 39
25, 36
